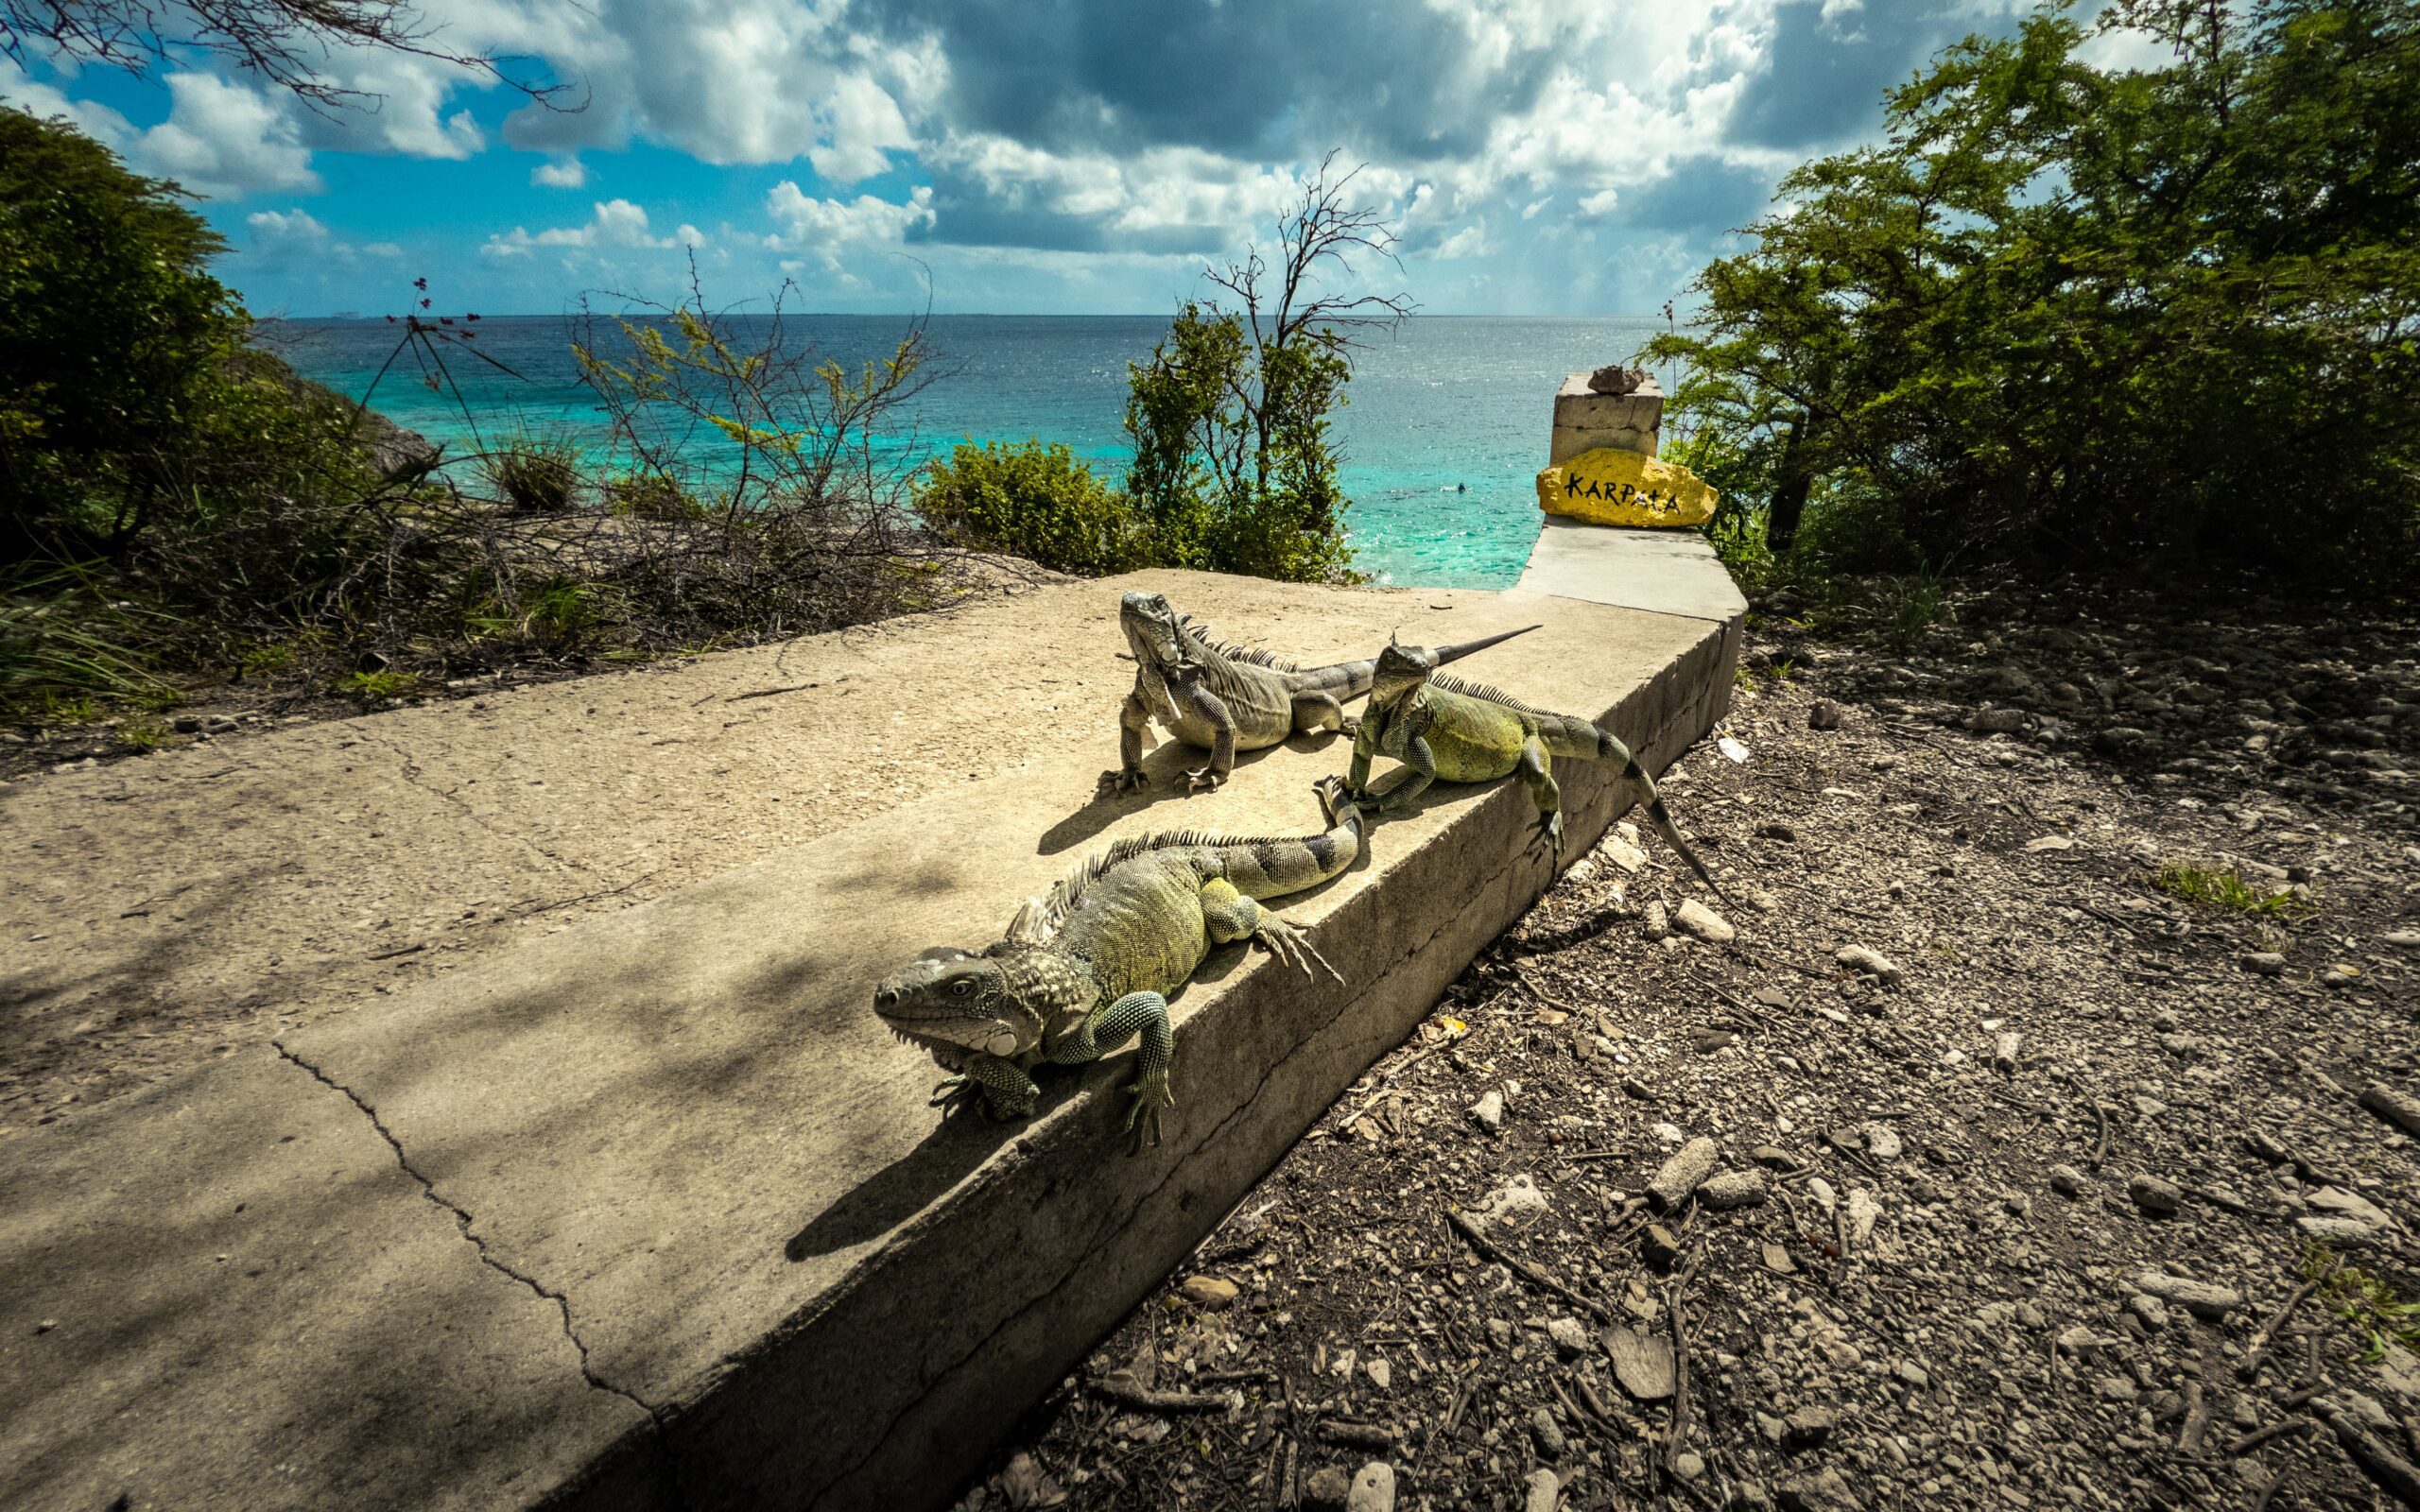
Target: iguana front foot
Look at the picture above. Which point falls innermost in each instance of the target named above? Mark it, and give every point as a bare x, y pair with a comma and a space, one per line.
1550, 831
1204, 780
1151, 1094
1124, 779
1350, 726
954, 1094
1289, 944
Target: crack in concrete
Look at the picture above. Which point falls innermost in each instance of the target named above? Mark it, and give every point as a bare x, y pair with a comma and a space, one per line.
410, 772
659, 1430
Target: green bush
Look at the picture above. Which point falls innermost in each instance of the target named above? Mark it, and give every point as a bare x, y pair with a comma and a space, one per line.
536, 475
650, 496
2074, 315
1033, 501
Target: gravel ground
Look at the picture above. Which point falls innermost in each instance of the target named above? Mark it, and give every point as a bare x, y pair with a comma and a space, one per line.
2064, 1193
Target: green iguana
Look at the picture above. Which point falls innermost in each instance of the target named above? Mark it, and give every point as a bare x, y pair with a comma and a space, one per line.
1470, 733
1229, 698
1090, 964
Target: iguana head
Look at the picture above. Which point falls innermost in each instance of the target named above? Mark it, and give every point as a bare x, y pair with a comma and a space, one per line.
1401, 668
951, 1001
1153, 631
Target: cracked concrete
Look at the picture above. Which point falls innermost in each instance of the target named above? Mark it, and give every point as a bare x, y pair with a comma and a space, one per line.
669, 1156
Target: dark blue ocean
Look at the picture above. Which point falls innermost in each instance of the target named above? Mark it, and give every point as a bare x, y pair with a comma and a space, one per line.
1446, 424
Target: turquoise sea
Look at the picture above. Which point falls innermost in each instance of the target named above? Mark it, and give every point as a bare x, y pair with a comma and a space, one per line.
1447, 425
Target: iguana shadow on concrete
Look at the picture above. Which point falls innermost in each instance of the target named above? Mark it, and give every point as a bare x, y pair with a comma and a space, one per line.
909, 1184
1166, 766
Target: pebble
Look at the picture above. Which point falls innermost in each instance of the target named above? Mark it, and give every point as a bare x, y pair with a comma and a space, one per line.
1688, 1465
1489, 1111
2199, 1298
1872, 963
2148, 1310
1826, 714
1705, 922
2408, 939
1692, 1163
1881, 1140
1865, 1209
1733, 1189
1327, 1490
1915, 1375
1808, 1426
2352, 1233
1382, 1375
2079, 1341
1657, 922
1373, 1490
2004, 1050
1517, 1198
1642, 1363
1823, 1490
1568, 1335
1208, 1292
2116, 1388
1549, 1437
2068, 1181
1544, 1491
2264, 963
2152, 1195
1660, 1247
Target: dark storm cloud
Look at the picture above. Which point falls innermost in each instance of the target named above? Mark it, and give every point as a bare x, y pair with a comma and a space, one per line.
1249, 79
1826, 77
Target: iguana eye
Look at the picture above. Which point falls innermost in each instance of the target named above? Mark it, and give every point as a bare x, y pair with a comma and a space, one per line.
961, 987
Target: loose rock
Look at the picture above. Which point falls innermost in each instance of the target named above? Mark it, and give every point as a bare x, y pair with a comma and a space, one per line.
2400, 1108
1858, 958
1733, 1189
1373, 1490
1690, 1165
2154, 1196
1209, 1292
1544, 1489
1549, 1433
1489, 1111
2199, 1298
1642, 1362
1705, 922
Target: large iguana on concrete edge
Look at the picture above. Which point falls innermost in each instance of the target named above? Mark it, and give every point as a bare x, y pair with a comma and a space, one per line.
1470, 733
1228, 698
1090, 964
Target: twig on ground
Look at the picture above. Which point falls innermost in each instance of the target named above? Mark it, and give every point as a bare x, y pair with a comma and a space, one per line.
1357, 1436
2393, 1474
1170, 1402
2260, 1435
2268, 1331
1542, 994
2101, 1138
1532, 1273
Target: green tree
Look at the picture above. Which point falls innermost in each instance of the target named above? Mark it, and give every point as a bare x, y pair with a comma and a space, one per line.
1234, 467
114, 333
2074, 315
1036, 502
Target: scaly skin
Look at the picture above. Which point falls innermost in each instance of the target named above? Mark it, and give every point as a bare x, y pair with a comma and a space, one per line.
1469, 732
1228, 698
1090, 965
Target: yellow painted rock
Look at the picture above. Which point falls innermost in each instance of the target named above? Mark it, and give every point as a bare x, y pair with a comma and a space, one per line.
1610, 487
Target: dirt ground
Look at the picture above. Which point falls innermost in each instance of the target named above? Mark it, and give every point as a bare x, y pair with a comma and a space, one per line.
2062, 1195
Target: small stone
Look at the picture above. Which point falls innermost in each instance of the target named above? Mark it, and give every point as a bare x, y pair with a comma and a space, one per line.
2079, 1341
1706, 1042
1777, 1261
1547, 1433
2068, 1181
2051, 842
1209, 1293
1327, 1490
1499, 1331
1658, 923
2154, 1196
2350, 1232
1914, 1375
2408, 939
1881, 1140
2338, 1203
2263, 963
1659, 1247
2028, 1315
2148, 1310
1864, 1210
2004, 1050
1808, 1428
1705, 922
1733, 1189
1773, 1159
2199, 1298
1373, 1490
1642, 1362
2400, 1108
1688, 1465
1870, 963
1824, 715
1637, 1090
1823, 1490
1567, 1335
1489, 1111
1517, 1199
1026, 1484
1692, 1163
2116, 1388
1544, 1488
1623, 853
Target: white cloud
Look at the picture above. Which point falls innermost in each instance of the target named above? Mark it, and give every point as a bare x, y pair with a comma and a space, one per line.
1601, 204
287, 226
567, 173
612, 223
808, 224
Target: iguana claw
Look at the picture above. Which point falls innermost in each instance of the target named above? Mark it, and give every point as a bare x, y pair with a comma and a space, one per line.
1204, 780
1550, 831
1126, 779
1351, 726
952, 1093
1150, 1093
1289, 944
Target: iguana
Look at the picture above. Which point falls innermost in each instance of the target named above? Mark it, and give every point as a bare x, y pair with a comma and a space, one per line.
1470, 733
1226, 697
1090, 964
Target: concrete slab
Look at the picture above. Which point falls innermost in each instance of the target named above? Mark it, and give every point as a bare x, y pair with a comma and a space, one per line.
1664, 572
1585, 420
672, 1163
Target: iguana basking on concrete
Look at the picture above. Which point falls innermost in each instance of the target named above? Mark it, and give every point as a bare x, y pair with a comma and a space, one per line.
1229, 698
1470, 733
1090, 965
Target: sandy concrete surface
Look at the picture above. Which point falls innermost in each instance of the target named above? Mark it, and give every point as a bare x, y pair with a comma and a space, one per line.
696, 1185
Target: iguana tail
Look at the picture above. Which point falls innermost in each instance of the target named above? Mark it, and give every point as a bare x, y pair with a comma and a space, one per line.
1566, 736
1350, 679
1270, 868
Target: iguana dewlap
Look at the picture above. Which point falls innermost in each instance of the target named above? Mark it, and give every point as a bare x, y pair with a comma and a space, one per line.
1090, 965
1439, 727
1227, 698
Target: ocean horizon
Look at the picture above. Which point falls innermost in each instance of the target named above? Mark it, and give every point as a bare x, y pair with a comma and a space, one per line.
1445, 423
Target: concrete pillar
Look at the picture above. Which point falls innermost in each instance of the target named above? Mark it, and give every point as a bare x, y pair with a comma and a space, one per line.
1585, 419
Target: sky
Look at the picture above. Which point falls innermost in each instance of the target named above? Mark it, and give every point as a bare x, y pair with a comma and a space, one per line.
1539, 157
